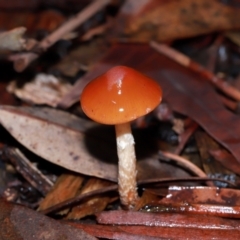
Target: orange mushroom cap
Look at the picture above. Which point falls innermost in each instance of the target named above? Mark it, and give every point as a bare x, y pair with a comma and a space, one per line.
120, 95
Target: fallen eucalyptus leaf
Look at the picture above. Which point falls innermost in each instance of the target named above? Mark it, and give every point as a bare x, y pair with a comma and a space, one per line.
59, 138
79, 145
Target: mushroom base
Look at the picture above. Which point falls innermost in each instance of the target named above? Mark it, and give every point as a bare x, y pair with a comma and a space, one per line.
127, 173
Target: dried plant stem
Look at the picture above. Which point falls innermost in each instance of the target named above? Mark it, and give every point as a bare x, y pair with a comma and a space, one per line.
22, 61
188, 63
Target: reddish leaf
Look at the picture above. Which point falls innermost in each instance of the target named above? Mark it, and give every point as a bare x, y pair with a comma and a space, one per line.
186, 91
143, 232
166, 220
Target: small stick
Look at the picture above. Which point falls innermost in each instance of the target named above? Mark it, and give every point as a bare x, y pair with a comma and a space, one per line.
28, 170
184, 163
188, 63
22, 61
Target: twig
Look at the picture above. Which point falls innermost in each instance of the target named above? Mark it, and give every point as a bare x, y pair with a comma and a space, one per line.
28, 170
184, 163
188, 63
22, 61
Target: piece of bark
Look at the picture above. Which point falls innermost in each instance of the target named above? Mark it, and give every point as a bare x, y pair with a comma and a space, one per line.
94, 204
66, 187
18, 222
143, 21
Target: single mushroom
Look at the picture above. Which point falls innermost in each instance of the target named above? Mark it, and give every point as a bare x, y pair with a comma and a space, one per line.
118, 97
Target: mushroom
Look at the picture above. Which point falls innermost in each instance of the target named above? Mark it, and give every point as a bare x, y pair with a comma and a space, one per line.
118, 97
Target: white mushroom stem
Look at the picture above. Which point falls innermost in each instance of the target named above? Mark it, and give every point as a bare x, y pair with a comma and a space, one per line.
127, 172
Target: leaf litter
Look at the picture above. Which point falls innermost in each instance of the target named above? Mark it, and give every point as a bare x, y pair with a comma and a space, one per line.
88, 149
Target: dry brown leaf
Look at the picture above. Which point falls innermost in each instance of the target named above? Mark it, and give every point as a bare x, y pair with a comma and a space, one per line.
44, 89
163, 20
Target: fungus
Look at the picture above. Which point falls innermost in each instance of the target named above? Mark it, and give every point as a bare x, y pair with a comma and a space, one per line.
118, 97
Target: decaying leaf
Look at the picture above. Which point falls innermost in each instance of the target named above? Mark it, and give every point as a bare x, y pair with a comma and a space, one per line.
13, 40
18, 222
161, 20
44, 89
